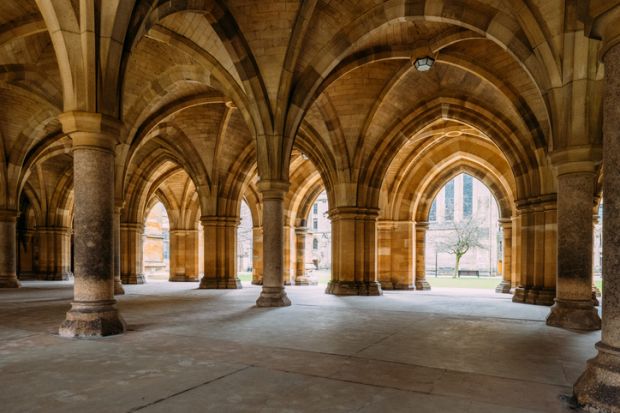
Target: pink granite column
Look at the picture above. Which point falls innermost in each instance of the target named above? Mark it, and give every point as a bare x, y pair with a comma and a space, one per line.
93, 311
8, 249
273, 293
598, 388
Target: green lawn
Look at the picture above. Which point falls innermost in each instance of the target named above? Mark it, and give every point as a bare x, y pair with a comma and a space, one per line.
464, 282
442, 282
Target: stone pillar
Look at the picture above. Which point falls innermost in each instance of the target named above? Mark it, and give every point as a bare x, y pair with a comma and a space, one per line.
93, 311
396, 254
506, 284
118, 286
273, 293
516, 251
8, 249
257, 255
131, 253
220, 253
538, 246
598, 388
184, 255
289, 252
54, 246
354, 252
573, 306
420, 259
300, 260
25, 254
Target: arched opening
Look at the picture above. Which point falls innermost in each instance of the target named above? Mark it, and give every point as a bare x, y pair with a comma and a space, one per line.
317, 259
245, 243
464, 238
156, 244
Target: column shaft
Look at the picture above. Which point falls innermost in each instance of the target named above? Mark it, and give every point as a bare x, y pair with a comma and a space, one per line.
131, 253
93, 311
506, 284
573, 306
300, 260
273, 293
118, 286
257, 255
8, 249
220, 253
184, 255
599, 386
420, 258
354, 252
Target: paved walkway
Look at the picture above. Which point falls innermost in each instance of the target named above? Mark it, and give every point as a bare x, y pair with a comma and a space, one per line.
195, 350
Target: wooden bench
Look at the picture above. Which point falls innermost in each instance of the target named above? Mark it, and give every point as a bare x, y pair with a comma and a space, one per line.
469, 273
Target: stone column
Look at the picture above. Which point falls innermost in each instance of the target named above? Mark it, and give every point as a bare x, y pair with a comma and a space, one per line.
506, 284
257, 255
300, 260
538, 245
93, 311
420, 259
8, 249
396, 254
184, 255
289, 251
354, 252
118, 286
220, 253
599, 386
131, 253
273, 293
573, 306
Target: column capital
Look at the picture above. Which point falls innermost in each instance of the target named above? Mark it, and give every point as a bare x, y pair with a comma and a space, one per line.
271, 189
136, 226
301, 230
89, 129
577, 160
223, 221
422, 226
8, 215
353, 212
546, 201
506, 223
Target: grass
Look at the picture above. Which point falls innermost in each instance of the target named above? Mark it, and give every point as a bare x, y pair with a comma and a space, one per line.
464, 282
323, 277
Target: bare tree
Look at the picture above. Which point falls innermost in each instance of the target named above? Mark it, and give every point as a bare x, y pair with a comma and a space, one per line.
467, 235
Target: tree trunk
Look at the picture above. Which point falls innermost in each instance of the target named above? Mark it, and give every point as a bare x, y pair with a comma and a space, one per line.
456, 267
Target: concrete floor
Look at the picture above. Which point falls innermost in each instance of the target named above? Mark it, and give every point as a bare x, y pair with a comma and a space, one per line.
198, 350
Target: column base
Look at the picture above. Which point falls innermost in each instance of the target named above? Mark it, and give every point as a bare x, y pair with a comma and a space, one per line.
303, 280
598, 388
118, 287
574, 315
503, 287
354, 288
10, 281
273, 297
534, 295
133, 279
92, 319
220, 283
422, 285
183, 279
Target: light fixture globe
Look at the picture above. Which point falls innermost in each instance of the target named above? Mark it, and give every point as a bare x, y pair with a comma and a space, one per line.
423, 64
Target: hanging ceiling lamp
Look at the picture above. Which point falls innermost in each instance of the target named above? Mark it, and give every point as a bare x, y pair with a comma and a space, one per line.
423, 64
